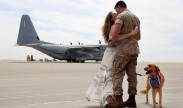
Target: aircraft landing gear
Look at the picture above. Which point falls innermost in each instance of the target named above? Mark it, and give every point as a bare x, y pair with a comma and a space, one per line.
82, 61
75, 61
69, 61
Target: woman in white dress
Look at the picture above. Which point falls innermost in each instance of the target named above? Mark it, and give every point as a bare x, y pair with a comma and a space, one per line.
101, 86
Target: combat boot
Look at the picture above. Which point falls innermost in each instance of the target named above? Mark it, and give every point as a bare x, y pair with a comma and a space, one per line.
118, 102
130, 102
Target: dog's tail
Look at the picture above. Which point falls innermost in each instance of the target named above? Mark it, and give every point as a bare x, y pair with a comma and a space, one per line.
143, 91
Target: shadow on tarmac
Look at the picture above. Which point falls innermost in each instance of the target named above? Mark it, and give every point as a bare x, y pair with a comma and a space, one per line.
94, 107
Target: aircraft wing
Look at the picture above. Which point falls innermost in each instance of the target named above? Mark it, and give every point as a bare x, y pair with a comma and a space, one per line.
89, 48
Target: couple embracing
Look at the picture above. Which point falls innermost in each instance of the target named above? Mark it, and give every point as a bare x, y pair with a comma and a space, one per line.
121, 32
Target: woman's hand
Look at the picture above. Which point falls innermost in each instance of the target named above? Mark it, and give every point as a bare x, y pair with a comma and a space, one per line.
110, 44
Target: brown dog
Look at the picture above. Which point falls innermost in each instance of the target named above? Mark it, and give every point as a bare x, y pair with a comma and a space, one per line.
155, 80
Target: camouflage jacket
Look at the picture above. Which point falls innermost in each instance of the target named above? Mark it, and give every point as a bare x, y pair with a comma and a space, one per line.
129, 21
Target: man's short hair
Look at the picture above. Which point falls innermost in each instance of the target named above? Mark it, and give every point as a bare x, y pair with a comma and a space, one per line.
121, 4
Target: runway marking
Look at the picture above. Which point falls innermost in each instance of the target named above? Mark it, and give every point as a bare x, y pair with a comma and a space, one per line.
43, 77
20, 84
42, 95
174, 87
169, 94
45, 103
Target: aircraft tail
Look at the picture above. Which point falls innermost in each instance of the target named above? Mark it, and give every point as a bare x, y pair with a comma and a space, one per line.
27, 33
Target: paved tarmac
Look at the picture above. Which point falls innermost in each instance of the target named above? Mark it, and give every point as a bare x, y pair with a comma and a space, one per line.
63, 85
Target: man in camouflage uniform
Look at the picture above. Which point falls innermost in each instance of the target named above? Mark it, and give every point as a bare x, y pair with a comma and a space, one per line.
127, 52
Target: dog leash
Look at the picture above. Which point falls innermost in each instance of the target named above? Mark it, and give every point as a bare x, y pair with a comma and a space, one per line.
140, 74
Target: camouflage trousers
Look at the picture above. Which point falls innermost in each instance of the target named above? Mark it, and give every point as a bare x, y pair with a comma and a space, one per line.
124, 64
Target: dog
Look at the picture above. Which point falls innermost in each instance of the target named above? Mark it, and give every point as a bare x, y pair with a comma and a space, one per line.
155, 80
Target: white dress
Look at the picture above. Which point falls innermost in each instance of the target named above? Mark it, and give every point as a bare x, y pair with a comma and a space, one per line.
101, 86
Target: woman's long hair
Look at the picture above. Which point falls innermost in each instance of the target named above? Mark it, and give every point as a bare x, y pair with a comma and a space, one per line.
107, 26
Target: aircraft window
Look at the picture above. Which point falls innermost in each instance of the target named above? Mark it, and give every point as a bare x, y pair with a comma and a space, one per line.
37, 38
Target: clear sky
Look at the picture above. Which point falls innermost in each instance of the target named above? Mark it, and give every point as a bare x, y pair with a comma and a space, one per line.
65, 21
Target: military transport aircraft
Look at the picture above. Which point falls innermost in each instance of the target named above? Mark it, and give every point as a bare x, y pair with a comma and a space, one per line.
72, 53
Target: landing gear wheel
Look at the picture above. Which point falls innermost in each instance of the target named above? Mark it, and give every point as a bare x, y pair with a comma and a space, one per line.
68, 60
